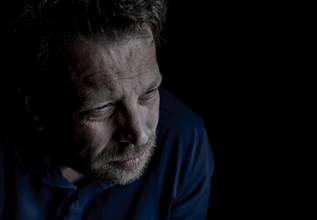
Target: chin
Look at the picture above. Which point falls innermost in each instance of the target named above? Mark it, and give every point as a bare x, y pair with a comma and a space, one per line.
120, 172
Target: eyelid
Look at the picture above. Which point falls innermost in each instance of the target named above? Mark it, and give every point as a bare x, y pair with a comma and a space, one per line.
155, 86
149, 94
152, 90
104, 106
101, 112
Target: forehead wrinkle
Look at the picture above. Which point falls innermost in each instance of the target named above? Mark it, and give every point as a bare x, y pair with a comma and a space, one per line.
103, 78
90, 89
124, 54
102, 70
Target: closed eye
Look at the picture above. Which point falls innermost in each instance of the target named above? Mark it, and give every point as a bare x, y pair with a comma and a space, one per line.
107, 107
149, 95
104, 106
100, 113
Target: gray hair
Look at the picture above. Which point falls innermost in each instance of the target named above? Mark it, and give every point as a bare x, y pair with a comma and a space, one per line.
40, 24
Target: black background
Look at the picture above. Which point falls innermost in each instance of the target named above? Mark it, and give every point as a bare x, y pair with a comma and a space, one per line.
243, 67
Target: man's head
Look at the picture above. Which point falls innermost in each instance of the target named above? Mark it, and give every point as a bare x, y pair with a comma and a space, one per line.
92, 80
115, 101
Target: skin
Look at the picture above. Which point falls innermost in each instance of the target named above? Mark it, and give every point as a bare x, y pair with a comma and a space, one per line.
115, 87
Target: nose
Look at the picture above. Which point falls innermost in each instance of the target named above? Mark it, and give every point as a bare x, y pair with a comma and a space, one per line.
133, 129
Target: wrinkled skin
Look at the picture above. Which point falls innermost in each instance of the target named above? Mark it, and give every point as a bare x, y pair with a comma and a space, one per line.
115, 87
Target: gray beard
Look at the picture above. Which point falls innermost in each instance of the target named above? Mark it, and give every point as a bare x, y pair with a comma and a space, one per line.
100, 167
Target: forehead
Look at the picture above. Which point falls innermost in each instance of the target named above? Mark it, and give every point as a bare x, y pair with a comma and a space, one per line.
86, 57
111, 65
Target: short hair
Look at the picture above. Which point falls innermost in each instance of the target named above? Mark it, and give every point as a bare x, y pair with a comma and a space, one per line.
42, 23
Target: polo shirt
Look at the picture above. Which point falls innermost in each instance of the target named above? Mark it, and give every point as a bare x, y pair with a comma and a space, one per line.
175, 185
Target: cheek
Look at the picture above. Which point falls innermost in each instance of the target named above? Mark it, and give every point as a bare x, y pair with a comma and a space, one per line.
92, 135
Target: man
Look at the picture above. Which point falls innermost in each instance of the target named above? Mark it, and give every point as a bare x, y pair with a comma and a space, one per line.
104, 141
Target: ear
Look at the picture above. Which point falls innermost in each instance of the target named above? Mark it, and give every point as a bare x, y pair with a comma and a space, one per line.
30, 108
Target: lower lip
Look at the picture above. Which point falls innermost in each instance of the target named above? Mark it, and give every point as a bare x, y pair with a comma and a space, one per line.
130, 164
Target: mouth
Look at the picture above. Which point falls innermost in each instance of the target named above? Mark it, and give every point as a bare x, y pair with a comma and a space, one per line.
132, 163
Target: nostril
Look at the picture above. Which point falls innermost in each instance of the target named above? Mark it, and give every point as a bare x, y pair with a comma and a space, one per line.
135, 137
121, 136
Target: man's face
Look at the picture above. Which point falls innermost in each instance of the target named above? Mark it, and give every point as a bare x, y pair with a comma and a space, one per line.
115, 88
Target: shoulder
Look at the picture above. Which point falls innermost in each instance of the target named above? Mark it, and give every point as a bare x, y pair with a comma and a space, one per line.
181, 132
184, 150
175, 116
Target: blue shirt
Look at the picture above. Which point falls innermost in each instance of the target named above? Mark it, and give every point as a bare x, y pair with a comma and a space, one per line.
175, 185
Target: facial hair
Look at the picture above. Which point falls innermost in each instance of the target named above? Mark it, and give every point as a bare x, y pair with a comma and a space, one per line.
101, 166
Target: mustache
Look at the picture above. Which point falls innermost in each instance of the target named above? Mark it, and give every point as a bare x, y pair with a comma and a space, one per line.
126, 151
